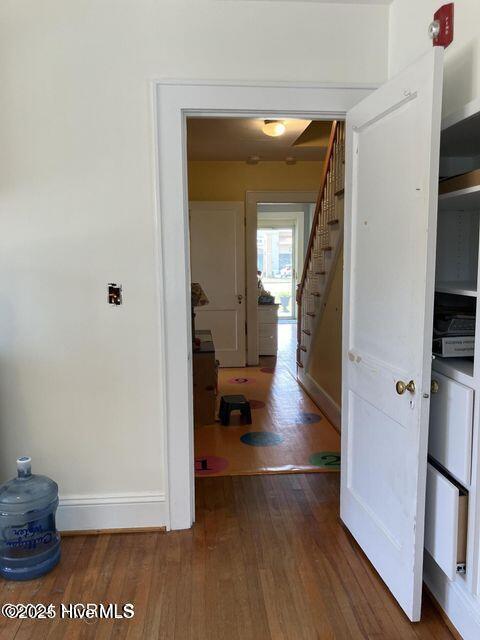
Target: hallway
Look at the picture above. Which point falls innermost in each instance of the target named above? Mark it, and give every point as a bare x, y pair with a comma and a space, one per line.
288, 433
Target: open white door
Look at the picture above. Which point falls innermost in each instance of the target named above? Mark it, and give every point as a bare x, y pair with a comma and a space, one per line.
217, 254
391, 184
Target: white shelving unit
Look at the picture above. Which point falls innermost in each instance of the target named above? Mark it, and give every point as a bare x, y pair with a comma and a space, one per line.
458, 369
453, 480
459, 288
462, 200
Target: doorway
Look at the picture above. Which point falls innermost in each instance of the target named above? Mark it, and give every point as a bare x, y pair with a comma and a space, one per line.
174, 102
257, 419
283, 230
275, 264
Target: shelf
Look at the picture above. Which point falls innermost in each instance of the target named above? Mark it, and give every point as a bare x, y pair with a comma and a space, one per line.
459, 369
458, 288
462, 200
461, 131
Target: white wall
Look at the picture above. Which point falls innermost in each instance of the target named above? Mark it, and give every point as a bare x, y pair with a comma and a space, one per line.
408, 39
80, 382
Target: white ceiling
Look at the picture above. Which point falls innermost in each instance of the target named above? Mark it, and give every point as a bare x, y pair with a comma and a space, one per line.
241, 138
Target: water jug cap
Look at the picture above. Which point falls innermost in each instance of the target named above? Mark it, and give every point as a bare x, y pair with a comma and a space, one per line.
24, 466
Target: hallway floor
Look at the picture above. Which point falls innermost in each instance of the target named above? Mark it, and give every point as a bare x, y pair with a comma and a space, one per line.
266, 560
288, 433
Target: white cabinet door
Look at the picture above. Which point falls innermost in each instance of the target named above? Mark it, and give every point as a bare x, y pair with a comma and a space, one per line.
392, 158
217, 255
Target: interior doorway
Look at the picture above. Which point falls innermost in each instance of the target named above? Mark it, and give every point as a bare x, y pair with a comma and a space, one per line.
275, 264
256, 419
283, 231
175, 101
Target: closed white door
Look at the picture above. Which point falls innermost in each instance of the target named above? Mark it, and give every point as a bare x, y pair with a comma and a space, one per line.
217, 254
392, 157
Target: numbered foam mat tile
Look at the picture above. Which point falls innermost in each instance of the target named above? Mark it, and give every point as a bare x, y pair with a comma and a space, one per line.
267, 369
326, 459
241, 380
261, 438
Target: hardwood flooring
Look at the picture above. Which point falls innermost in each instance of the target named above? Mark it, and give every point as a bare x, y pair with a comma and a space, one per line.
267, 559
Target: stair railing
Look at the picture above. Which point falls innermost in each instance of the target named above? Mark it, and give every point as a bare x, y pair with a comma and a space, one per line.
318, 244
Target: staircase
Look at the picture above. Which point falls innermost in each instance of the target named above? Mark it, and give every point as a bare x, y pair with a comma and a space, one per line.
324, 246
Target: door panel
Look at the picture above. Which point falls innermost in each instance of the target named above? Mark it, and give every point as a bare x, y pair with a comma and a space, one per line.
391, 189
217, 255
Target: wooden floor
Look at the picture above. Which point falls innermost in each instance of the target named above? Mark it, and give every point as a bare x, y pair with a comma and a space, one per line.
266, 560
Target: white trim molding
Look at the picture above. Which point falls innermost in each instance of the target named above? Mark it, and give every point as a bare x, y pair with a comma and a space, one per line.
173, 102
126, 511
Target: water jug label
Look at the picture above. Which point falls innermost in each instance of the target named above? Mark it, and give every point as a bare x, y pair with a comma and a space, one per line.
30, 535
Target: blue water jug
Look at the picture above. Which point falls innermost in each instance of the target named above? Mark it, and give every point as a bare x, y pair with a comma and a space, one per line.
29, 540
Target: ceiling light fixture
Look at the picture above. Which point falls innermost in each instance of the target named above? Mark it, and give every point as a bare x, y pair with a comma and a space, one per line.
273, 128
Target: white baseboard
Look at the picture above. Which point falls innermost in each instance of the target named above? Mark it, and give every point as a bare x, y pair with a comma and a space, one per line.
321, 398
127, 511
461, 608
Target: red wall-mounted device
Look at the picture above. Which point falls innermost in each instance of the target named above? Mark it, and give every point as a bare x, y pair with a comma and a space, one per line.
441, 29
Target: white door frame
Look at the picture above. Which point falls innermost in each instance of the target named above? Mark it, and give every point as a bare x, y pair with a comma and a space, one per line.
252, 200
173, 101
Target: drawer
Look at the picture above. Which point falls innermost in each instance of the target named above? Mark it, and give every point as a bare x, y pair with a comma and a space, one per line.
267, 331
445, 522
450, 431
268, 313
267, 346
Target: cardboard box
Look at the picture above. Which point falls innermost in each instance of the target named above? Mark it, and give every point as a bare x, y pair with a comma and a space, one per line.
454, 346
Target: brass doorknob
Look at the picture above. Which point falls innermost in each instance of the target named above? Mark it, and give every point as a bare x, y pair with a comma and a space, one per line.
434, 387
401, 387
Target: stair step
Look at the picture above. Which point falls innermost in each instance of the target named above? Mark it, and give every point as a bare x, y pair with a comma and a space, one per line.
339, 192
334, 221
311, 314
299, 364
306, 332
303, 348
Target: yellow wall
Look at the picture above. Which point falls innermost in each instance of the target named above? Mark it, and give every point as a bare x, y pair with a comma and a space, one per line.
325, 365
229, 180
325, 361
